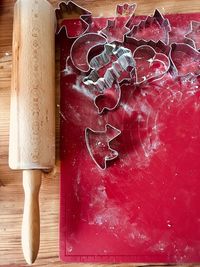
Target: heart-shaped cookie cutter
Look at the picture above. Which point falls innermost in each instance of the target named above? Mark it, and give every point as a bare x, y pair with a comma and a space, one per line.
146, 56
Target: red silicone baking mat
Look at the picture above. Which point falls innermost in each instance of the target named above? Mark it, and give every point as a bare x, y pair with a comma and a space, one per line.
145, 207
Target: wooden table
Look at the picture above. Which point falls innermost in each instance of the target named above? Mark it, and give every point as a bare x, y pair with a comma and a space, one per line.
11, 192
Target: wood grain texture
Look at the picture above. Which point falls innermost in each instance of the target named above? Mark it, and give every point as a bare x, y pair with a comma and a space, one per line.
31, 217
11, 189
32, 110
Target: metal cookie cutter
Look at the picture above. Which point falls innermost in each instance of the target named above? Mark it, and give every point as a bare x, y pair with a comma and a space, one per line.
80, 26
98, 145
126, 10
116, 29
145, 27
150, 65
112, 67
82, 47
185, 59
109, 99
159, 46
112, 62
194, 34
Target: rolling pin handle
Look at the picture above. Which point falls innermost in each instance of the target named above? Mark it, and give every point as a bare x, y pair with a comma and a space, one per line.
31, 217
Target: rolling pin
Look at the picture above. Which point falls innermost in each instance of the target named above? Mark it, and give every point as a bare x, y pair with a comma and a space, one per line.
32, 110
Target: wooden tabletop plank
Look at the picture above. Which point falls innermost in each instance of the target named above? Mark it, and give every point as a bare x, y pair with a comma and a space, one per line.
11, 192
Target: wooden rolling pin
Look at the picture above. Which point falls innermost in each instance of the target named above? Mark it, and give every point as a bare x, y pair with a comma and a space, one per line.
32, 111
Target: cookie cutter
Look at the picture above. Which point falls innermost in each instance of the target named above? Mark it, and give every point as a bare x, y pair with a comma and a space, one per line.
116, 64
81, 48
69, 68
115, 29
147, 60
161, 22
98, 145
70, 7
193, 34
159, 46
126, 9
109, 99
184, 51
123, 59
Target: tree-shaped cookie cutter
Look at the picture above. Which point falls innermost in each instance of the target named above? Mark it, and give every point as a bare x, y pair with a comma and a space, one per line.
162, 23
